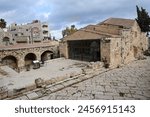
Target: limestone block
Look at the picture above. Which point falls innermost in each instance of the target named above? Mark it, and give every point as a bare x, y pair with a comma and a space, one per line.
87, 71
3, 92
39, 82
32, 95
3, 89
10, 93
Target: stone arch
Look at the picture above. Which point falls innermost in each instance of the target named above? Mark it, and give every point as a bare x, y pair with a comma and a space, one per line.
11, 61
46, 55
29, 58
6, 40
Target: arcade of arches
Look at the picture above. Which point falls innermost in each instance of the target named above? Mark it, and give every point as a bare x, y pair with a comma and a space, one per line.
13, 61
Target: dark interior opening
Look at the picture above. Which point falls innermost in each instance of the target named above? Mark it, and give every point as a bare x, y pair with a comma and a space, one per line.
84, 50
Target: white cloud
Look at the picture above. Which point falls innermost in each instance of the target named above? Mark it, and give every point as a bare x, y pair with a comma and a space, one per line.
61, 13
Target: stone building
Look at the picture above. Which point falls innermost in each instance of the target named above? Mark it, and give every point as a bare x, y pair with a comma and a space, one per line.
114, 41
5, 37
29, 33
19, 56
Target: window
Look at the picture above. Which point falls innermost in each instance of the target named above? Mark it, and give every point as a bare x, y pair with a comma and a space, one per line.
26, 29
13, 29
16, 34
45, 32
45, 26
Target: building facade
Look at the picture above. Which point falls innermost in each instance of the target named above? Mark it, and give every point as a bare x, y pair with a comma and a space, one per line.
114, 41
26, 33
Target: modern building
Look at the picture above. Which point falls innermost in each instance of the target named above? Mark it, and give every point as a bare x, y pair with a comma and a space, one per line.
114, 41
29, 33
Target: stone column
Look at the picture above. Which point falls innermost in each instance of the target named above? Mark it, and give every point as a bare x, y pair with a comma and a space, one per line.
21, 64
38, 56
66, 50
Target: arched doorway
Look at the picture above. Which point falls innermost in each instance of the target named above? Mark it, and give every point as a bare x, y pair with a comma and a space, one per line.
6, 41
29, 58
11, 61
47, 55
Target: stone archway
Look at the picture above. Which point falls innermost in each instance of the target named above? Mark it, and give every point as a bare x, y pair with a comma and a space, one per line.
47, 55
6, 41
11, 61
29, 58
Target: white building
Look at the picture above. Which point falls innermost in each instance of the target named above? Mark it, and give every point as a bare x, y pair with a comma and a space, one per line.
29, 33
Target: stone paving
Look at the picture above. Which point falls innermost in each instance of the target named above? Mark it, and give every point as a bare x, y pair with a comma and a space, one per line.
59, 67
130, 82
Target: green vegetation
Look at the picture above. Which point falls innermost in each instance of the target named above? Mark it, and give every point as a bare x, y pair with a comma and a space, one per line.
143, 19
69, 31
2, 23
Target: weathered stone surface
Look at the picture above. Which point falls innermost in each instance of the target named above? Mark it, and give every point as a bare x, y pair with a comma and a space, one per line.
3, 89
20, 53
24, 98
3, 92
126, 83
118, 84
39, 82
32, 95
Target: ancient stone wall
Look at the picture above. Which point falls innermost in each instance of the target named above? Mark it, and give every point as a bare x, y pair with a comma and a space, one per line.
129, 46
115, 52
63, 48
20, 54
105, 50
6, 35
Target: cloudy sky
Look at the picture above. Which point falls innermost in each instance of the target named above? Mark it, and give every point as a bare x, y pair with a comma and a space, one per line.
62, 13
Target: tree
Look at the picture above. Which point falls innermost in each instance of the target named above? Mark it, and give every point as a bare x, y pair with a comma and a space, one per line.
2, 23
69, 31
143, 19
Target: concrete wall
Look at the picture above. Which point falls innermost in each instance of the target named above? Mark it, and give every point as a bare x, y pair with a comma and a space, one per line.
130, 46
